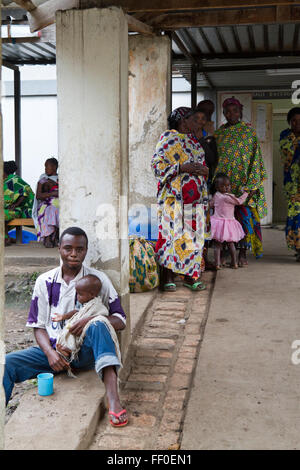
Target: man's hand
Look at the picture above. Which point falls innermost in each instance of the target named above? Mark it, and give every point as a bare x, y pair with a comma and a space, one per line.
64, 351
56, 362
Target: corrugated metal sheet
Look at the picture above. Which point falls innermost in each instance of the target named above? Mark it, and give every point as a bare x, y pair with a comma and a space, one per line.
239, 46
226, 39
29, 53
222, 46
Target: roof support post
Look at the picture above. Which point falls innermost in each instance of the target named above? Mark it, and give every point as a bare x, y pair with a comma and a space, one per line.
17, 116
18, 144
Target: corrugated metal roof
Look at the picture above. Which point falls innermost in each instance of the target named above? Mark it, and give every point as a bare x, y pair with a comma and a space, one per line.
29, 53
231, 39
226, 47
221, 47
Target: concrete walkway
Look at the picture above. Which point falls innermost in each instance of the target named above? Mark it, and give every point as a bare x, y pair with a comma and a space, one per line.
156, 387
246, 389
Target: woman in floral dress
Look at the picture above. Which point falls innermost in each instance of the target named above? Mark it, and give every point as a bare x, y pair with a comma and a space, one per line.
290, 155
179, 166
18, 197
241, 160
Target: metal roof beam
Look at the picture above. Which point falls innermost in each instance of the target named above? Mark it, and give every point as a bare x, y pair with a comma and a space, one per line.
183, 49
251, 38
20, 40
189, 40
241, 68
244, 55
266, 37
280, 37
189, 56
9, 66
236, 39
206, 41
296, 37
222, 40
31, 61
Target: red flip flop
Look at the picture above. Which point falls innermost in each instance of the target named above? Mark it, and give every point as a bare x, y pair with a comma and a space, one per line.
117, 415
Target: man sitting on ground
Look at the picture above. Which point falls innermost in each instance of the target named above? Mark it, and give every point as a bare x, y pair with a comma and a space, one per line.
54, 293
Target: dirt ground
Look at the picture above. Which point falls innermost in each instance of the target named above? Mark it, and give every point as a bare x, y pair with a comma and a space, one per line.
17, 336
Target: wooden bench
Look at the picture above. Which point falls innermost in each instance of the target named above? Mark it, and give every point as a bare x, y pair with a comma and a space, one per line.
18, 223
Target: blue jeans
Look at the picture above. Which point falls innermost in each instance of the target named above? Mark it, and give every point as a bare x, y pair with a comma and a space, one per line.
97, 350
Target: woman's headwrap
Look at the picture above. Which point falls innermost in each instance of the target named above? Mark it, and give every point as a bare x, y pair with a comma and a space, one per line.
9, 167
232, 101
179, 113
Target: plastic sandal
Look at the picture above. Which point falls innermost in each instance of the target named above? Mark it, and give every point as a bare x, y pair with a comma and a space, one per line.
170, 284
198, 285
117, 415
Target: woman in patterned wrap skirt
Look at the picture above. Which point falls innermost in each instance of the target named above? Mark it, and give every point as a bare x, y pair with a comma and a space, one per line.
179, 166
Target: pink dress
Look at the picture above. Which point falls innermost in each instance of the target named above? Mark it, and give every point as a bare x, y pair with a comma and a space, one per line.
224, 227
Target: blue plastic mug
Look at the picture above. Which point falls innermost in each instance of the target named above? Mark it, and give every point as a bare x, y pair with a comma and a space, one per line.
45, 384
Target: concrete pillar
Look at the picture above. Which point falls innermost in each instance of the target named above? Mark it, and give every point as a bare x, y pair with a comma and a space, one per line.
2, 297
92, 89
149, 106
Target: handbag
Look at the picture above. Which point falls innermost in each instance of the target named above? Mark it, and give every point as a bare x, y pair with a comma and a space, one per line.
143, 268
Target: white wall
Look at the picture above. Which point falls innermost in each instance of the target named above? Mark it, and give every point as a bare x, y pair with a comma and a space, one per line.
38, 121
38, 131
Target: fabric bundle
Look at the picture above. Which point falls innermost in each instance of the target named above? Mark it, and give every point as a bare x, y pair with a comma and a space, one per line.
98, 312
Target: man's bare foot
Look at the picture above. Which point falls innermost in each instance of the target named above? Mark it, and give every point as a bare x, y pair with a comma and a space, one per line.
118, 415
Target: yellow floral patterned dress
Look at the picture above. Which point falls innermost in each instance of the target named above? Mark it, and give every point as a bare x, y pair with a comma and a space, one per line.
182, 204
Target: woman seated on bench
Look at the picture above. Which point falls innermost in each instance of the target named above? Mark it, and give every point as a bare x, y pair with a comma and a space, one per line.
46, 209
18, 197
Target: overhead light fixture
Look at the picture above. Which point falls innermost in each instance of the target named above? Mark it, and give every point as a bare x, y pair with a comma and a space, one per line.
276, 72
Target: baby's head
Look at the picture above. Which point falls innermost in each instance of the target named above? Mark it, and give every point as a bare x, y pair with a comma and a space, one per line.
222, 183
87, 288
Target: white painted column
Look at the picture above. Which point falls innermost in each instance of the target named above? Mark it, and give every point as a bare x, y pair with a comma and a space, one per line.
149, 106
92, 89
2, 295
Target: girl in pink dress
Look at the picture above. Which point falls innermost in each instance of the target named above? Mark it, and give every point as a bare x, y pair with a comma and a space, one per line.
224, 226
